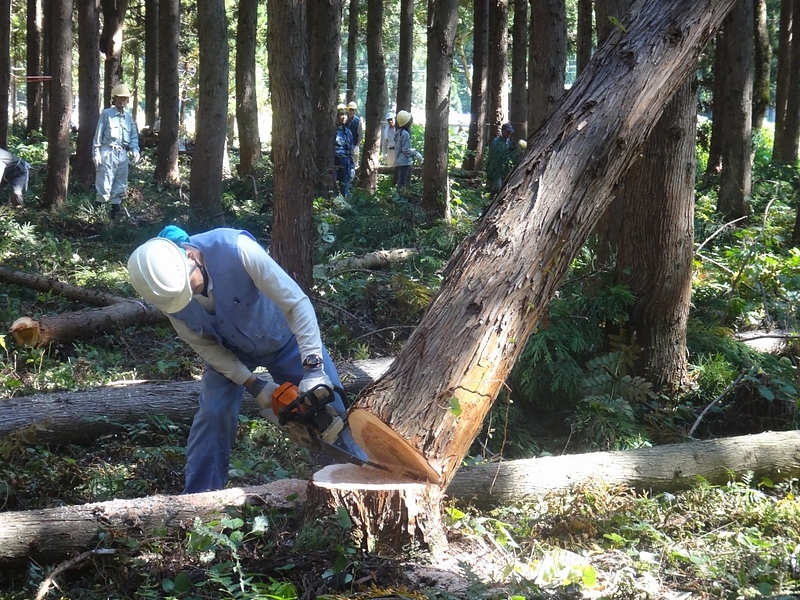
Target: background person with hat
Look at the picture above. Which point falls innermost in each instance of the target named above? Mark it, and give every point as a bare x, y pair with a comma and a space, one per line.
116, 135
498, 159
404, 154
343, 152
387, 139
356, 127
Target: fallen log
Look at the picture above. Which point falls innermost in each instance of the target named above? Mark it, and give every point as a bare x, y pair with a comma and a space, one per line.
667, 468
47, 284
82, 417
53, 533
404, 510
371, 260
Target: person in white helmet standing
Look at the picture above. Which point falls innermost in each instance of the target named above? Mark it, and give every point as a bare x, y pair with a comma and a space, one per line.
116, 135
387, 139
356, 126
235, 306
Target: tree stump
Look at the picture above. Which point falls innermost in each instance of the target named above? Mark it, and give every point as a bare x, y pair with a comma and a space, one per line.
388, 513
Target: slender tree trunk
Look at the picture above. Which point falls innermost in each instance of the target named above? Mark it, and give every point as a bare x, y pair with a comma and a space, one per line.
88, 88
476, 139
352, 52
5, 67
372, 118
731, 129
781, 151
151, 62
325, 32
548, 60
166, 171
791, 124
246, 101
111, 43
518, 99
405, 58
205, 183
55, 186
46, 35
497, 66
583, 52
434, 397
292, 135
33, 50
442, 20
763, 61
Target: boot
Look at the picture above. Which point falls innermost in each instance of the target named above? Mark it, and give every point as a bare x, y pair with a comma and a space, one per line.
16, 200
115, 208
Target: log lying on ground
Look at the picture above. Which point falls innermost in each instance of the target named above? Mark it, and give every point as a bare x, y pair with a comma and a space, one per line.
53, 533
371, 260
58, 288
392, 510
80, 417
665, 468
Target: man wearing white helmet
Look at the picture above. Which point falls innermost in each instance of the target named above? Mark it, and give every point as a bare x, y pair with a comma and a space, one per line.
387, 139
235, 306
116, 135
356, 126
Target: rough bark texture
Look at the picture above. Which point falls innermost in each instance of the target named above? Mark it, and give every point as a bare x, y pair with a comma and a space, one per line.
50, 534
33, 49
790, 127
46, 284
81, 417
88, 88
763, 62
442, 20
405, 57
476, 138
352, 47
518, 98
375, 109
292, 136
387, 513
5, 68
166, 171
205, 182
659, 469
57, 181
111, 44
497, 66
731, 129
583, 52
548, 60
246, 104
500, 280
151, 62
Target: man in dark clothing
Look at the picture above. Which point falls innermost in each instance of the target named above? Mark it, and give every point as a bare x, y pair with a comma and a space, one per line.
356, 127
343, 152
14, 171
498, 159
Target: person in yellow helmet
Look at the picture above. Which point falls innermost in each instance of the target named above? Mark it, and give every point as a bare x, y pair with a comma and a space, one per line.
115, 137
356, 126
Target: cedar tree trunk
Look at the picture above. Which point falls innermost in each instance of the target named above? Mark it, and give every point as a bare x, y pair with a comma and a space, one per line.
166, 171
246, 100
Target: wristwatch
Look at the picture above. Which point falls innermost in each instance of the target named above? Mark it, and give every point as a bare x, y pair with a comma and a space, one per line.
312, 361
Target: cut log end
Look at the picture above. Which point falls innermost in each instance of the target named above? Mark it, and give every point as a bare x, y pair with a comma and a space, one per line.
387, 512
386, 448
25, 331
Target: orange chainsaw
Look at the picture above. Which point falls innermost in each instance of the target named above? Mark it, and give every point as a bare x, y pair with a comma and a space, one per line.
314, 412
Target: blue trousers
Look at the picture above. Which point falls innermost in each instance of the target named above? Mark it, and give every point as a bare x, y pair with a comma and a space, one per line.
216, 422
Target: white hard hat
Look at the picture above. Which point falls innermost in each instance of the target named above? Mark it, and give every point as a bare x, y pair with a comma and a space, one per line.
403, 117
120, 90
159, 272
389, 115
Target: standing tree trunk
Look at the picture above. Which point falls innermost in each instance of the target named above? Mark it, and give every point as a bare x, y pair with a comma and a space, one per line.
292, 135
731, 129
246, 101
111, 44
88, 88
205, 182
518, 99
791, 124
442, 20
583, 52
476, 138
166, 171
434, 397
60, 28
352, 52
548, 60
497, 66
325, 32
5, 67
33, 49
376, 96
151, 62
782, 146
405, 56
763, 61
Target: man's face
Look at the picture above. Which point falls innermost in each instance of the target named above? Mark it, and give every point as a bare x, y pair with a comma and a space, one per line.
352, 112
390, 122
120, 102
342, 117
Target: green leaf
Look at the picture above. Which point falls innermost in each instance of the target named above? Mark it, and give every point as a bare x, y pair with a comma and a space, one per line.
344, 518
455, 407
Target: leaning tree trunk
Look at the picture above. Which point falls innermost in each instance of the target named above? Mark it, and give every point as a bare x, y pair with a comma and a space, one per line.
422, 415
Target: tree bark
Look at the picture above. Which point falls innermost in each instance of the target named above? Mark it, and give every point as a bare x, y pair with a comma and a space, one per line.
782, 147
442, 20
81, 417
372, 118
405, 56
476, 138
5, 68
58, 124
763, 62
548, 60
88, 88
246, 104
205, 182
53, 533
499, 281
583, 52
497, 69
152, 62
111, 44
33, 49
668, 468
46, 284
518, 98
396, 513
166, 171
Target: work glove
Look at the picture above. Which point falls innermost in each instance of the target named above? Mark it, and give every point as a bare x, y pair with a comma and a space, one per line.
418, 156
352, 173
97, 160
312, 378
136, 157
261, 390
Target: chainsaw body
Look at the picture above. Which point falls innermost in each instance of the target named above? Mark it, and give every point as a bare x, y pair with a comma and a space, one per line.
312, 409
